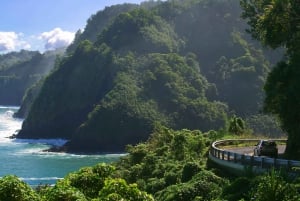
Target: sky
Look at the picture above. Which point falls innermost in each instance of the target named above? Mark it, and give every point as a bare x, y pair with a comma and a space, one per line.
45, 24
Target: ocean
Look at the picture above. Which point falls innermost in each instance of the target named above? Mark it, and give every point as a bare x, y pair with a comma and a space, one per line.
26, 159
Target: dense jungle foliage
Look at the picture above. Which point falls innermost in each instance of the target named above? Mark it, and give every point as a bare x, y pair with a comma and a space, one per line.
170, 166
136, 65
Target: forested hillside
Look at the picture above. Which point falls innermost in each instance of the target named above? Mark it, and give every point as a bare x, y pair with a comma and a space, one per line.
20, 70
182, 64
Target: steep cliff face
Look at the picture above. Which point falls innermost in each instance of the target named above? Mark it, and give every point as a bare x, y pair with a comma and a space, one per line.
144, 68
69, 93
85, 77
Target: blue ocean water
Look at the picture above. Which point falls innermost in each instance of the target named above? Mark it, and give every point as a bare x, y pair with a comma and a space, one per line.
26, 159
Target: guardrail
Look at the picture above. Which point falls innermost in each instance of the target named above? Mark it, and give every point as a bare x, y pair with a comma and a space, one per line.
236, 161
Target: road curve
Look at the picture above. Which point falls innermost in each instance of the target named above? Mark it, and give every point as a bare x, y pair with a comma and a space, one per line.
230, 155
249, 150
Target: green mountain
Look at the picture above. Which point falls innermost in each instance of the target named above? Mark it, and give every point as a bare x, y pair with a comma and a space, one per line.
182, 64
97, 22
19, 70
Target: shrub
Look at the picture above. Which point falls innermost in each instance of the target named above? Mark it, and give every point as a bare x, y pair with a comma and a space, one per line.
13, 189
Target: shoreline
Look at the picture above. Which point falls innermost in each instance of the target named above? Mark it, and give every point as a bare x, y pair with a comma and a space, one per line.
64, 149
59, 145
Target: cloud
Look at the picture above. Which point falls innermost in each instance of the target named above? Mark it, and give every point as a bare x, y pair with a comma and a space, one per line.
10, 41
57, 38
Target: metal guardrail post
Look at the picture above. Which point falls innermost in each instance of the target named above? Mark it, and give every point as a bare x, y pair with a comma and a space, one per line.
262, 162
243, 159
289, 167
212, 151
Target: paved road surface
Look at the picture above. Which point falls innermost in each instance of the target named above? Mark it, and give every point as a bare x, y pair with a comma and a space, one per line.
249, 150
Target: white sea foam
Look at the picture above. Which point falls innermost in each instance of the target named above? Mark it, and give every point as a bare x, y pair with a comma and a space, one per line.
34, 150
36, 181
40, 178
8, 124
53, 142
9, 113
71, 156
9, 107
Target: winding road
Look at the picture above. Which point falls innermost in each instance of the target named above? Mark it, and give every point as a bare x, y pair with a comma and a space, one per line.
249, 150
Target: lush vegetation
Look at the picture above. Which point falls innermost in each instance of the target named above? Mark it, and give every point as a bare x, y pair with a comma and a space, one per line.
276, 23
97, 22
135, 66
171, 165
160, 78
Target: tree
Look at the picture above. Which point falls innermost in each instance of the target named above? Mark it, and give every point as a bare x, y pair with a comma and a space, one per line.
13, 189
276, 23
273, 187
90, 180
63, 192
203, 186
236, 125
118, 189
282, 98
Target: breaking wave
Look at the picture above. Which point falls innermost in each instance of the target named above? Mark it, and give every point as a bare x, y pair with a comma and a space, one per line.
27, 159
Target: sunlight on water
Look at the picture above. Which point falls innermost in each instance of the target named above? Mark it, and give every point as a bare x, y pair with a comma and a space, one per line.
26, 158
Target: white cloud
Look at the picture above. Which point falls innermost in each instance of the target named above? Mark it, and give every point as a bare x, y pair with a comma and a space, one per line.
7, 41
10, 41
57, 38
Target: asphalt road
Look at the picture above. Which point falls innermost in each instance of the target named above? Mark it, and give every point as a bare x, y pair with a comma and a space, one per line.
249, 150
